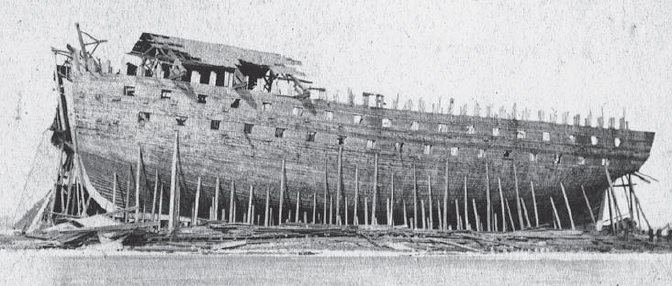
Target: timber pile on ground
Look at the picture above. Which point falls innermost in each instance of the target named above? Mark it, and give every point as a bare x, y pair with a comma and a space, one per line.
218, 237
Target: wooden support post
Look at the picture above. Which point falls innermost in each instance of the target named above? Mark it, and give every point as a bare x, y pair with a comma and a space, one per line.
422, 208
534, 203
305, 217
194, 218
430, 201
466, 206
387, 204
457, 215
403, 201
629, 201
501, 199
611, 215
266, 208
137, 185
613, 194
445, 199
391, 217
216, 204
250, 202
513, 226
527, 215
232, 202
345, 204
114, 191
438, 209
298, 206
494, 219
128, 194
331, 210
172, 213
339, 185
158, 217
569, 209
366, 211
487, 197
555, 213
314, 205
356, 216
326, 189
518, 209
639, 206
374, 217
282, 191
415, 197
590, 209
476, 218
156, 190
234, 219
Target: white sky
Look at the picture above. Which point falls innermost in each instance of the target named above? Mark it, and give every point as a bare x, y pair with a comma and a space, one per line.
571, 56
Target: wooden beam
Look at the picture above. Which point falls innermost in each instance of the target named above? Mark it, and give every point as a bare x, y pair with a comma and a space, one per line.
137, 185
590, 209
345, 204
374, 218
415, 197
194, 218
422, 208
298, 206
534, 203
445, 199
356, 215
430, 201
339, 185
326, 189
569, 209
314, 205
513, 226
268, 202
366, 211
403, 201
555, 213
250, 201
232, 202
476, 219
467, 226
282, 191
172, 214
527, 216
114, 191
501, 200
487, 197
613, 194
438, 209
156, 190
457, 215
518, 209
160, 208
391, 219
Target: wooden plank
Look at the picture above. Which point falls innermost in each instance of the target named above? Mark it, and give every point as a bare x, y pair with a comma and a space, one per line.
518, 209
267, 206
445, 199
374, 217
403, 201
431, 212
527, 216
366, 211
501, 200
467, 226
555, 213
476, 218
156, 190
391, 219
339, 185
487, 197
298, 206
194, 218
513, 226
457, 215
415, 197
590, 209
232, 202
114, 191
282, 191
314, 205
326, 189
172, 214
569, 209
137, 184
250, 201
158, 217
422, 208
356, 215
534, 203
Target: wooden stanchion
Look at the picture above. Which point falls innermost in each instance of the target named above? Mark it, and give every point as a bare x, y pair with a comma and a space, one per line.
527, 216
194, 218
590, 209
298, 206
232, 202
391, 218
501, 199
156, 190
431, 204
569, 209
356, 209
374, 215
555, 213
250, 201
422, 208
160, 208
326, 190
467, 226
282, 191
476, 218
266, 208
457, 215
403, 201
445, 199
534, 203
487, 197
513, 226
415, 198
314, 205
172, 213
339, 185
366, 211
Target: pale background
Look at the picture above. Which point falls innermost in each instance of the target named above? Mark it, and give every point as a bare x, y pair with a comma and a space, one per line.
575, 56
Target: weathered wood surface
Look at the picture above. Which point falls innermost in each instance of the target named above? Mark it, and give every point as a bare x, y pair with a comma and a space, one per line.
108, 132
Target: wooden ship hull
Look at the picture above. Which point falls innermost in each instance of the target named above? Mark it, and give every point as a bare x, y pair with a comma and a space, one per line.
231, 125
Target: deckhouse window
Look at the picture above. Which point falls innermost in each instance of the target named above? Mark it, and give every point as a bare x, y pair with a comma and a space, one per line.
181, 120
328, 115
594, 140
533, 157
617, 142
279, 132
266, 106
340, 140
481, 153
165, 93
248, 128
415, 125
428, 149
214, 124
605, 162
370, 144
297, 111
572, 139
235, 103
454, 151
310, 136
201, 98
399, 147
581, 161
521, 134
546, 136
129, 90
443, 128
471, 129
387, 123
495, 131
357, 119
557, 159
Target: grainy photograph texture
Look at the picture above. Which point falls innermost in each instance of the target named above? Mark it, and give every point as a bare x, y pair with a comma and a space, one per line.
340, 142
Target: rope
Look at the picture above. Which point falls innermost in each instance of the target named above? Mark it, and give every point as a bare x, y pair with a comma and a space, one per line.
40, 151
